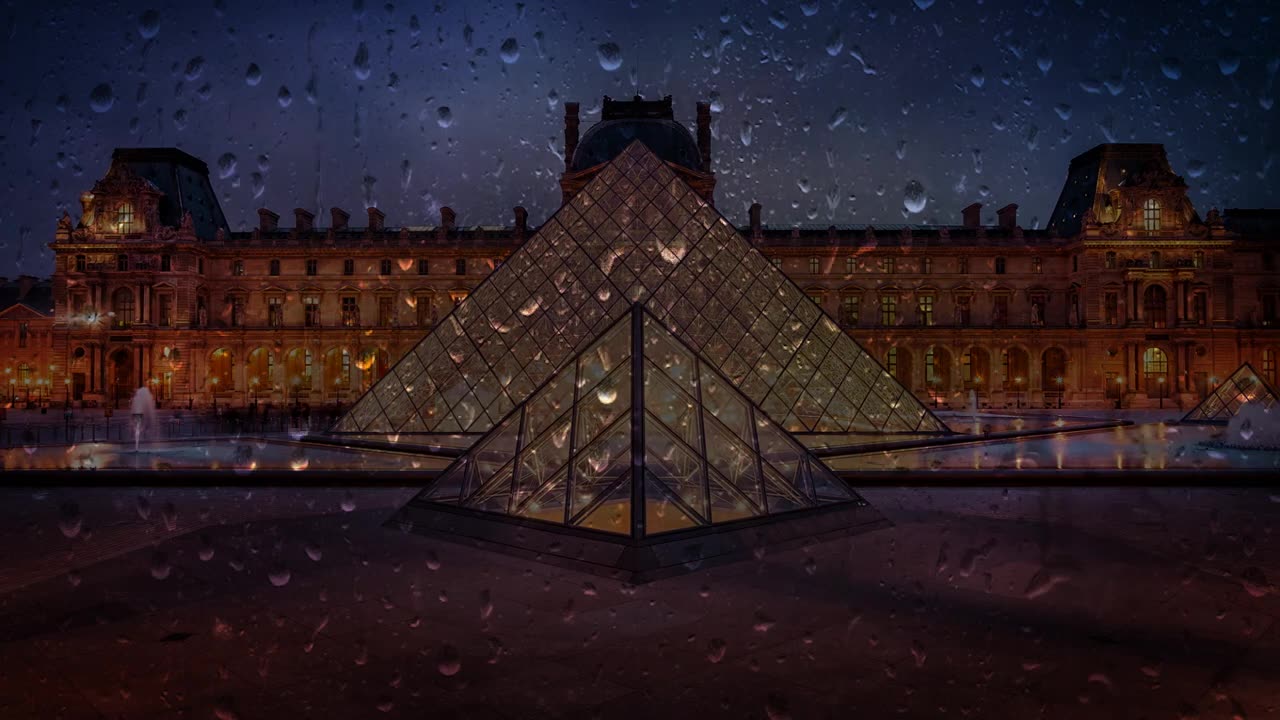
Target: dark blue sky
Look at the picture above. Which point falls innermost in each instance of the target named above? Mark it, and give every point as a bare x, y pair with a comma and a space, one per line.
825, 110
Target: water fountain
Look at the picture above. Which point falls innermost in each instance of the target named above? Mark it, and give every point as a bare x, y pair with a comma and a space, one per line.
143, 409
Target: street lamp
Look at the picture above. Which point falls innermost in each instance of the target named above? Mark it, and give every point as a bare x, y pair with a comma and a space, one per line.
1160, 381
215, 380
1059, 392
1017, 383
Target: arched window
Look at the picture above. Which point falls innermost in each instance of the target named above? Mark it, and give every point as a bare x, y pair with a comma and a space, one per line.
1151, 214
124, 218
1155, 367
220, 379
122, 306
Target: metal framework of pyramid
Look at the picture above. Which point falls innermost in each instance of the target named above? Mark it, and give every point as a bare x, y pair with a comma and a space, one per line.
637, 233
1244, 386
644, 455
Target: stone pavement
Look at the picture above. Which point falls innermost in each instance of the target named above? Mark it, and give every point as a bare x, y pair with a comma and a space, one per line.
979, 603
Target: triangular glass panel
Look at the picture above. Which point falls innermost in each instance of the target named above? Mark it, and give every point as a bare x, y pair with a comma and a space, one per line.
547, 502
611, 512
1245, 386
662, 512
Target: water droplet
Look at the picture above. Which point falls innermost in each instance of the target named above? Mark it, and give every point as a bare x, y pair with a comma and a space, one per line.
313, 552
444, 116
284, 97
102, 98
348, 502
195, 68
279, 575
610, 56
924, 4
71, 520
977, 77
449, 663
226, 165
149, 24
913, 197
716, 650
837, 118
433, 562
745, 133
835, 43
1229, 63
160, 567
510, 51
360, 64
1171, 67
606, 396
253, 75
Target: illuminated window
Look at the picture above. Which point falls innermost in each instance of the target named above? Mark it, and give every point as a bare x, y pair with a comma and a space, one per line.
1197, 259
889, 265
350, 312
345, 377
312, 267
220, 370
311, 311
1151, 214
124, 218
237, 267
813, 266
926, 310
1155, 306
237, 311
850, 264
777, 262
849, 310
891, 362
384, 267
275, 312
273, 267
1269, 365
817, 298
424, 266
888, 310
1000, 266
457, 296
122, 306
1037, 265
1155, 362
1109, 261
348, 267
460, 266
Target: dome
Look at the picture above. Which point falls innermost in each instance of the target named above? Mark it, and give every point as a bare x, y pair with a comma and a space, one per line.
666, 138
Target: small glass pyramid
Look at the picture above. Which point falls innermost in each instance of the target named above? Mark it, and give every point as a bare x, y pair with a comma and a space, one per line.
637, 233
637, 436
1244, 386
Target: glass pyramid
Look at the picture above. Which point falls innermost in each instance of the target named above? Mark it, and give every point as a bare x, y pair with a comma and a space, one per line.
1244, 386
637, 233
637, 436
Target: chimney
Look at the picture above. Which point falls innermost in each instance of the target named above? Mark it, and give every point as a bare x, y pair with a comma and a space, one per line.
303, 220
338, 218
522, 222
267, 220
754, 214
376, 219
447, 219
972, 215
704, 134
570, 133
1008, 216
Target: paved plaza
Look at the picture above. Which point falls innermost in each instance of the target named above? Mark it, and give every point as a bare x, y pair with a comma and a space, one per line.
270, 603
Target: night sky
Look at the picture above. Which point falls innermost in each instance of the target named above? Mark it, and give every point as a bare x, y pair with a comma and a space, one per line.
825, 111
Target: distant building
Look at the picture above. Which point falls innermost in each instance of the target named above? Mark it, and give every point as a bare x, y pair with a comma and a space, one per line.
26, 342
1128, 295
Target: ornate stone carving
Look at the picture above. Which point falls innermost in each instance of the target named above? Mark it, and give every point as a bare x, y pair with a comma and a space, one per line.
187, 227
64, 226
